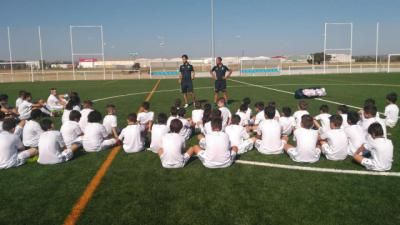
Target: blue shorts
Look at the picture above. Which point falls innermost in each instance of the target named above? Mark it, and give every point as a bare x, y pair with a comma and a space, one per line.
220, 85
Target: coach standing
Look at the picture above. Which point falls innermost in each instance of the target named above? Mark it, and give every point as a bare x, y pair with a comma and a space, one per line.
218, 73
186, 78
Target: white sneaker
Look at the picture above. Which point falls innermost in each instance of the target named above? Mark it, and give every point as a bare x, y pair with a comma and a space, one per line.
185, 106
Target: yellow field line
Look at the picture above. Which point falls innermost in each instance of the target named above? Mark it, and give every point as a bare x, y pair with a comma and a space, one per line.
81, 204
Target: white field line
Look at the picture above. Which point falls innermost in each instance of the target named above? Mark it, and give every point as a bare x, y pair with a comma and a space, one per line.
291, 93
318, 169
347, 84
160, 91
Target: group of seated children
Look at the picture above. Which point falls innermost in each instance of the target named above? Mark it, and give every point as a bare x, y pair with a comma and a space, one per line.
221, 136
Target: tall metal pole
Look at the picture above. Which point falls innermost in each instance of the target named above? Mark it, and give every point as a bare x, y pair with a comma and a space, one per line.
212, 34
102, 52
72, 53
325, 49
9, 50
41, 50
377, 47
351, 46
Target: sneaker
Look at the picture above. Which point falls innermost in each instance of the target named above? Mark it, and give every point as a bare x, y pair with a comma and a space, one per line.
185, 106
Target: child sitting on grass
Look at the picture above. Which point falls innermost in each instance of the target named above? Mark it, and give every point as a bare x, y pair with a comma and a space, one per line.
131, 137
95, 136
158, 131
110, 121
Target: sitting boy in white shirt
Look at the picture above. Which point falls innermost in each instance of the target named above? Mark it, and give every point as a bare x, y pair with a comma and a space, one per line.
197, 115
206, 127
334, 142
145, 117
52, 149
95, 136
110, 121
269, 134
173, 114
370, 117
342, 110
12, 151
260, 115
287, 121
380, 148
26, 106
355, 134
244, 116
172, 147
87, 108
238, 136
391, 110
71, 131
217, 151
322, 120
246, 102
302, 110
32, 130
306, 150
157, 132
186, 130
225, 112
131, 137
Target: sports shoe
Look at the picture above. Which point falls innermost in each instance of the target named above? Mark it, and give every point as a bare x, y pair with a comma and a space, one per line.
185, 106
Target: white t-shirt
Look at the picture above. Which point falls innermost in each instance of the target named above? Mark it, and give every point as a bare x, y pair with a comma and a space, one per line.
297, 116
18, 102
84, 118
65, 116
306, 145
51, 145
365, 123
277, 114
53, 101
356, 136
157, 133
338, 144
270, 132
197, 116
206, 128
381, 153
132, 139
260, 116
70, 132
237, 134
173, 145
391, 114
24, 110
244, 119
94, 135
345, 123
9, 146
217, 150
145, 117
31, 133
186, 130
324, 120
226, 116
287, 124
110, 122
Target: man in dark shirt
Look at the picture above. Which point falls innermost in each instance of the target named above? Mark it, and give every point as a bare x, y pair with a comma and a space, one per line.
218, 73
186, 78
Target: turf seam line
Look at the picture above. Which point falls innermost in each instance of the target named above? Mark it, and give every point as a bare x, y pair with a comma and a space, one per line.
318, 169
84, 199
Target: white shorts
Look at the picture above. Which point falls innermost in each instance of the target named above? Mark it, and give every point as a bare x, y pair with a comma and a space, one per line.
214, 165
390, 123
202, 143
245, 146
330, 154
259, 146
106, 144
77, 142
167, 165
294, 155
370, 164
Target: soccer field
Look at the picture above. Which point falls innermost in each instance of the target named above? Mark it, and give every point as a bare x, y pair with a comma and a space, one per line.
137, 190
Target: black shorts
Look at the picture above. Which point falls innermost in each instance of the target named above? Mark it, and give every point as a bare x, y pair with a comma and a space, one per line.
220, 85
186, 86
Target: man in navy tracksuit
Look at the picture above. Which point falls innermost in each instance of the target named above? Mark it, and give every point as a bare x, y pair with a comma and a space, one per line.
186, 78
218, 73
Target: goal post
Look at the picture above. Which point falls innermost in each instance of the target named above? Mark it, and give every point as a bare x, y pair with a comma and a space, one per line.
345, 48
390, 60
73, 53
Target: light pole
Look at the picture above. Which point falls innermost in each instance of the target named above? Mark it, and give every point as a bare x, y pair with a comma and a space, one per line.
212, 34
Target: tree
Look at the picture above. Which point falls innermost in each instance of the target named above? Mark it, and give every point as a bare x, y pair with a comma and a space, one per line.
319, 58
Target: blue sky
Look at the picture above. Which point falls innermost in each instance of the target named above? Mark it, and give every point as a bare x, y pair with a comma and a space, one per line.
257, 27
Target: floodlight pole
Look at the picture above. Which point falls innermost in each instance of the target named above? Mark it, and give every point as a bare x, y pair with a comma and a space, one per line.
72, 53
212, 34
377, 47
351, 46
325, 48
102, 51
9, 50
41, 50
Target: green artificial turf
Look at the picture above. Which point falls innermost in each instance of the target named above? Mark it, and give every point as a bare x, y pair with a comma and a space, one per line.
136, 190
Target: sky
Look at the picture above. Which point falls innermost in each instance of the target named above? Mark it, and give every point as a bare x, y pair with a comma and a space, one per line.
169, 28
